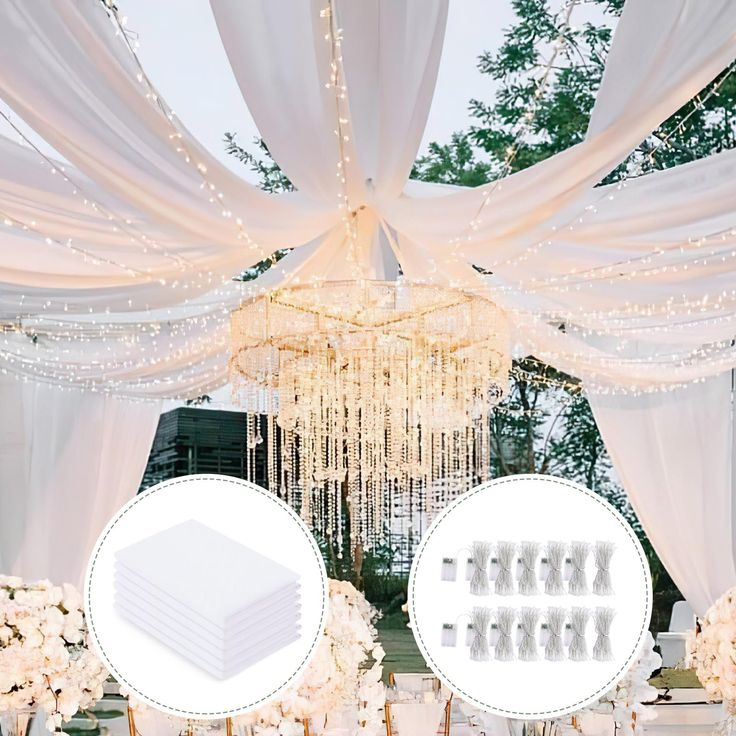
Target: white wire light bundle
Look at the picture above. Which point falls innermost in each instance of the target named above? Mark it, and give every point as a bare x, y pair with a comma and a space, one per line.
481, 554
579, 552
602, 620
505, 552
555, 620
602, 554
556, 562
480, 618
528, 558
528, 620
579, 617
505, 618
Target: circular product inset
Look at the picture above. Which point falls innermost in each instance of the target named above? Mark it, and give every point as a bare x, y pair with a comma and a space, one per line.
206, 596
554, 613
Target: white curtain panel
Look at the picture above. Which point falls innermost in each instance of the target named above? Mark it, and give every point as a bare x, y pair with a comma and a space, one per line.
390, 56
674, 453
86, 96
68, 461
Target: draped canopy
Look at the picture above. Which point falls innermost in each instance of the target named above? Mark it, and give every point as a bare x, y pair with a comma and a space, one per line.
144, 226
116, 265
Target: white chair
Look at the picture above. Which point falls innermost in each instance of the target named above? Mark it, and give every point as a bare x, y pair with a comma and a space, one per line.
412, 717
672, 642
414, 682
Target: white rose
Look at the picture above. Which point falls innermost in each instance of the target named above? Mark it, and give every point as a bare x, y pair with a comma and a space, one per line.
72, 634
68, 702
10, 581
54, 722
53, 624
72, 599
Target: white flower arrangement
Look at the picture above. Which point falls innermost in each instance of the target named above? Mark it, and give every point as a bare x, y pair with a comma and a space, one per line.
711, 649
336, 678
625, 702
44, 659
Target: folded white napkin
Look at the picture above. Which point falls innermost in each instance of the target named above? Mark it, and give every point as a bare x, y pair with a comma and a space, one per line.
132, 587
217, 666
270, 625
214, 601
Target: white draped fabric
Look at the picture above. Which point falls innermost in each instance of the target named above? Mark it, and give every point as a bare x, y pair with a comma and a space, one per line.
115, 271
674, 453
68, 461
184, 241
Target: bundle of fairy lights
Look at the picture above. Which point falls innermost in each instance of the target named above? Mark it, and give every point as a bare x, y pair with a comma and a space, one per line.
368, 394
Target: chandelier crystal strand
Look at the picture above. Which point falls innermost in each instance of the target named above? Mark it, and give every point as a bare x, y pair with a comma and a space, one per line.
381, 391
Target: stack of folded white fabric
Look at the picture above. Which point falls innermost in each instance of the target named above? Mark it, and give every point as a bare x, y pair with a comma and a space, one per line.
219, 604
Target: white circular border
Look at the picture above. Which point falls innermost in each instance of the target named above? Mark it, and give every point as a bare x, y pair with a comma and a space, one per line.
208, 715
454, 687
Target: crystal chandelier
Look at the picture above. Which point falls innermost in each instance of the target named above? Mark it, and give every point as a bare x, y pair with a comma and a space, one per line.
370, 392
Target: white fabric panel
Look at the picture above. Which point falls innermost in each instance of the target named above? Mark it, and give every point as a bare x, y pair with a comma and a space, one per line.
674, 454
179, 351
693, 42
283, 69
40, 265
390, 56
82, 93
632, 365
68, 461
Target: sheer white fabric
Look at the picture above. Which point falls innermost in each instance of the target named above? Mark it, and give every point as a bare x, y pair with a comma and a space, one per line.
130, 164
674, 453
68, 461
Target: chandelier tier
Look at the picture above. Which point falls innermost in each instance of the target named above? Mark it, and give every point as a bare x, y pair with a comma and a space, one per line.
372, 393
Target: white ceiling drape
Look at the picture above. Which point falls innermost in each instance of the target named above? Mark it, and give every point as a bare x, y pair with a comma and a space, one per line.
170, 227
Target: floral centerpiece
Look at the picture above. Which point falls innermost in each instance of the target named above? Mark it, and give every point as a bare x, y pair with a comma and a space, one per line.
337, 677
711, 649
44, 659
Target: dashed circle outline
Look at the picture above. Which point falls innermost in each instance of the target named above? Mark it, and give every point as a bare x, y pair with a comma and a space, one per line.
563, 710
248, 486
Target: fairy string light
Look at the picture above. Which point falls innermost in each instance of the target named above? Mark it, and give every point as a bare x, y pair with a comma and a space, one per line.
527, 121
78, 190
336, 82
